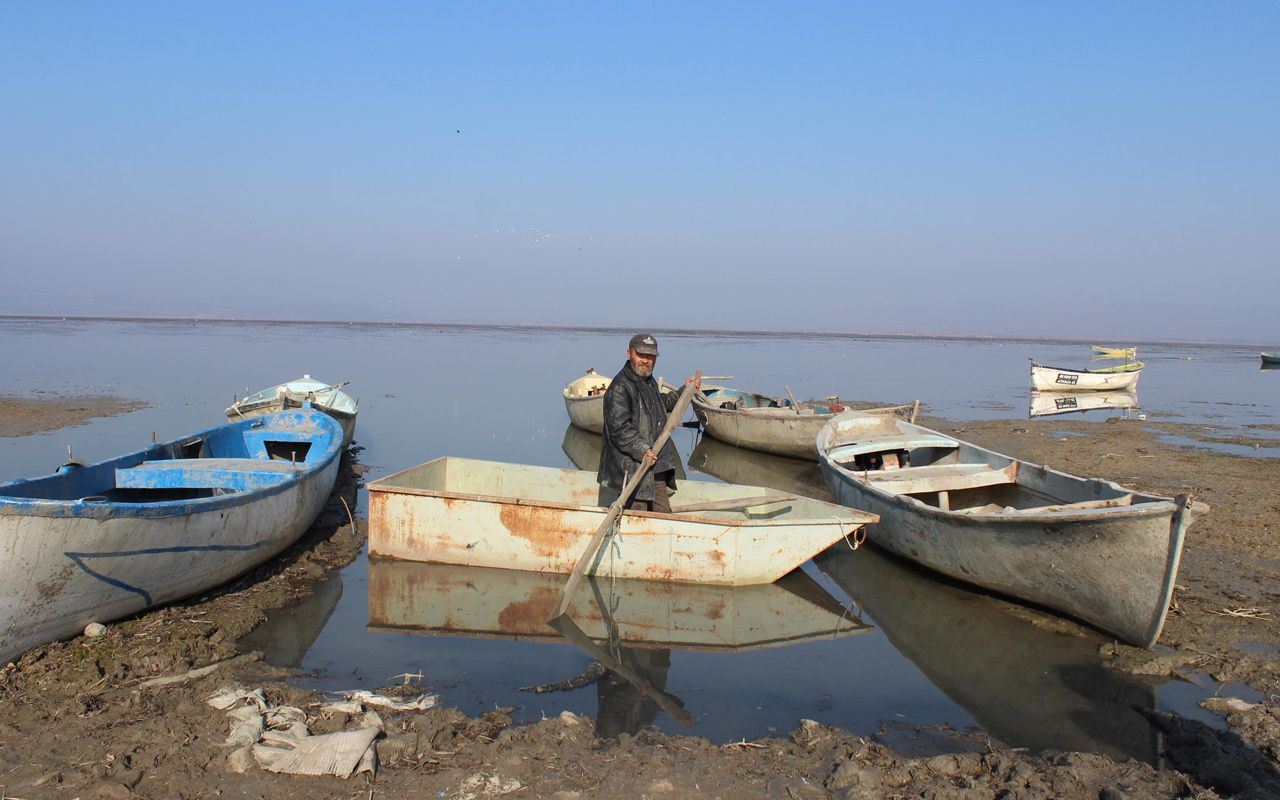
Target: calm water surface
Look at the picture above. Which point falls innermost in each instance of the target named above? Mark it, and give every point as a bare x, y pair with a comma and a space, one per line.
866, 638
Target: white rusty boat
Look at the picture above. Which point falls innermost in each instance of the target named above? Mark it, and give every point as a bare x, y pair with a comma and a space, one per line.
540, 519
769, 424
1089, 548
328, 398
1061, 379
93, 543
448, 600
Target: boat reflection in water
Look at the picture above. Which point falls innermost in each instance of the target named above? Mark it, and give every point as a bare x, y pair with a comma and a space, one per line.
1029, 679
583, 450
286, 635
752, 468
1044, 404
629, 626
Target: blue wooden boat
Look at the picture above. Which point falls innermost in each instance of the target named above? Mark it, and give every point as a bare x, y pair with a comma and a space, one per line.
93, 543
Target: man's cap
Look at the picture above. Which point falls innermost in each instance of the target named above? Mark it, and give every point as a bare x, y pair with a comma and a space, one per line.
644, 343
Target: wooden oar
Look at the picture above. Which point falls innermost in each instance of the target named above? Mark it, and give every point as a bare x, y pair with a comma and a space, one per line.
673, 419
668, 703
794, 405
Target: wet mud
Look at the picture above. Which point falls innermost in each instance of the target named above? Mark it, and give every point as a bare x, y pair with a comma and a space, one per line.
79, 718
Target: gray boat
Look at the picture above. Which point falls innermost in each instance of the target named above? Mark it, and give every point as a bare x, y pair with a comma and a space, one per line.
1086, 547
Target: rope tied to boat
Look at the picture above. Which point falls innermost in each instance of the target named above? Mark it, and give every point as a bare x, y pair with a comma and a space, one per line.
859, 535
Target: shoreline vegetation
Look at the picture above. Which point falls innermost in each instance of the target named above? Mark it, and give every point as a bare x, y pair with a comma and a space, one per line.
732, 332
87, 717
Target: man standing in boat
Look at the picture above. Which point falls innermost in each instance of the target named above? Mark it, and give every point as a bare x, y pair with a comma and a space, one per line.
634, 413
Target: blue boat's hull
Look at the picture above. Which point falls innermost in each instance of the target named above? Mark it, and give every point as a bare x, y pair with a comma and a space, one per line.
98, 542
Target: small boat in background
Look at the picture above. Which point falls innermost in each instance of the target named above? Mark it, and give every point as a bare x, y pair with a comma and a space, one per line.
1115, 352
1086, 547
540, 519
1061, 379
584, 400
328, 398
770, 424
93, 543
1270, 360
1045, 404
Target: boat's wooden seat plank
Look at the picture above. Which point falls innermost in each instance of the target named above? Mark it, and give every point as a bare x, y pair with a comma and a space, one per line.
205, 473
942, 482
1083, 505
895, 441
928, 470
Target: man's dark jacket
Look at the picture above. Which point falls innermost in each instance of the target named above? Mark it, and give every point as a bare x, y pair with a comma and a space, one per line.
634, 413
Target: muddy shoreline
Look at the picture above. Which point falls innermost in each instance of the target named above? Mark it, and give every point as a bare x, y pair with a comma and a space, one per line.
78, 719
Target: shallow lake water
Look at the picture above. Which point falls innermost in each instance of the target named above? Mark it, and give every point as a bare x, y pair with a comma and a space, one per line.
866, 638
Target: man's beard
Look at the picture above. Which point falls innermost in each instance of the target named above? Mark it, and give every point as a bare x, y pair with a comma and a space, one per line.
643, 370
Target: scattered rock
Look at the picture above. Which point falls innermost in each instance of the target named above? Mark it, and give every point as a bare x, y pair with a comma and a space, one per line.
94, 629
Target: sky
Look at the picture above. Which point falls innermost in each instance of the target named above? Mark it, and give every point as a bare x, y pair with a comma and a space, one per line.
1084, 169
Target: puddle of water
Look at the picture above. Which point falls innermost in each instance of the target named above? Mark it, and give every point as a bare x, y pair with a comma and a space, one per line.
1183, 697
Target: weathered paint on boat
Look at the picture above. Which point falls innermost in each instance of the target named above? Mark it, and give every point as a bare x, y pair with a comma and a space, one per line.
445, 599
94, 543
1045, 404
1026, 680
584, 400
767, 424
328, 398
1060, 379
514, 516
1086, 547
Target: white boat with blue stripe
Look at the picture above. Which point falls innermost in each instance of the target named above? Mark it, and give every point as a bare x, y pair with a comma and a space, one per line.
93, 543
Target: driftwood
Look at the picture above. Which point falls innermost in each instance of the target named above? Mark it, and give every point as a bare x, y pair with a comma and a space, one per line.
594, 672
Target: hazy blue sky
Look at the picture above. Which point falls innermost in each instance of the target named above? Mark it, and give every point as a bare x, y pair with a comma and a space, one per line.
1106, 170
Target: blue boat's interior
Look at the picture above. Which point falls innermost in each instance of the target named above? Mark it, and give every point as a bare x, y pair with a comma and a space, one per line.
241, 456
735, 399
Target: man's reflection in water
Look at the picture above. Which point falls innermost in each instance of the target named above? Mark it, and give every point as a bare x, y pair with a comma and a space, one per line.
623, 707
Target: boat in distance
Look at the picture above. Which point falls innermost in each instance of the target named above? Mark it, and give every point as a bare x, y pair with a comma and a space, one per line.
1106, 351
1085, 547
485, 603
584, 400
769, 424
515, 516
93, 543
1062, 379
1270, 359
1044, 404
328, 398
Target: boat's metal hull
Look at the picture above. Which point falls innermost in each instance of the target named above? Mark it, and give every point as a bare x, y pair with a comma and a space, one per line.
779, 431
503, 526
586, 412
1054, 379
1113, 568
74, 564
